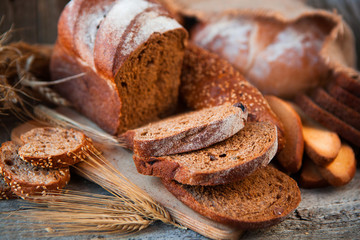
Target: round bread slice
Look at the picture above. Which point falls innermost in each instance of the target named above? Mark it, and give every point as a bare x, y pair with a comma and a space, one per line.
310, 176
25, 179
235, 158
50, 147
262, 199
5, 190
187, 132
328, 120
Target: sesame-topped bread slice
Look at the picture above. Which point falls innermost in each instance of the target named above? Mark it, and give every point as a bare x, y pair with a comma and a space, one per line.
260, 200
236, 157
187, 132
25, 179
5, 190
50, 147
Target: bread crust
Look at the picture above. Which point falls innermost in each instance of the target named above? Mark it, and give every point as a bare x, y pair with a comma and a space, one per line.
221, 200
182, 169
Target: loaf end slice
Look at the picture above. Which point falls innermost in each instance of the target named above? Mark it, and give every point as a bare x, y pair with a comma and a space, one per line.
49, 147
260, 200
25, 179
235, 158
187, 132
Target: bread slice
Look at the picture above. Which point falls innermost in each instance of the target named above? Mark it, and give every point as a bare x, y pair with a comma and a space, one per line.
349, 81
328, 120
344, 96
253, 146
25, 179
187, 132
342, 169
208, 80
321, 144
50, 147
310, 176
262, 199
290, 157
5, 190
340, 110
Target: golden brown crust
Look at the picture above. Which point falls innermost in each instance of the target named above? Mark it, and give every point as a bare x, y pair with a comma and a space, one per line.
262, 199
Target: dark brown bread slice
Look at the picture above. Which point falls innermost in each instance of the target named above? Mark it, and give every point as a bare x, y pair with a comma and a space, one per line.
252, 147
328, 120
344, 96
310, 176
5, 190
208, 80
262, 199
187, 132
348, 81
49, 147
340, 110
25, 179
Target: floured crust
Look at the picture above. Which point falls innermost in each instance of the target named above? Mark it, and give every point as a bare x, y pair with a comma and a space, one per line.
235, 158
187, 132
26, 180
262, 199
54, 147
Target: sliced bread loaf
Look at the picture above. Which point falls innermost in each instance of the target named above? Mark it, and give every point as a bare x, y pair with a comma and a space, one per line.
253, 146
260, 200
290, 157
344, 96
25, 179
49, 147
340, 110
348, 81
208, 80
328, 120
187, 132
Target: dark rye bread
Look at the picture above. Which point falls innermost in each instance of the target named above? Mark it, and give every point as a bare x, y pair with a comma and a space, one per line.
349, 81
5, 190
340, 110
25, 179
187, 132
260, 200
344, 96
235, 158
208, 80
328, 120
130, 54
50, 147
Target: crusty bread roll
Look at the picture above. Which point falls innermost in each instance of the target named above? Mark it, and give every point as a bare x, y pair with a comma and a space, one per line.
279, 59
130, 53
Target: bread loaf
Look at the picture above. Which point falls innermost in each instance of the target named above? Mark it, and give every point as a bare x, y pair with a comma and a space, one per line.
208, 80
187, 132
26, 180
129, 54
235, 158
53, 147
260, 200
344, 96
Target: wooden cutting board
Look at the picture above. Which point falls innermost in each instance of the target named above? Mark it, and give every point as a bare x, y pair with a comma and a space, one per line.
121, 159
